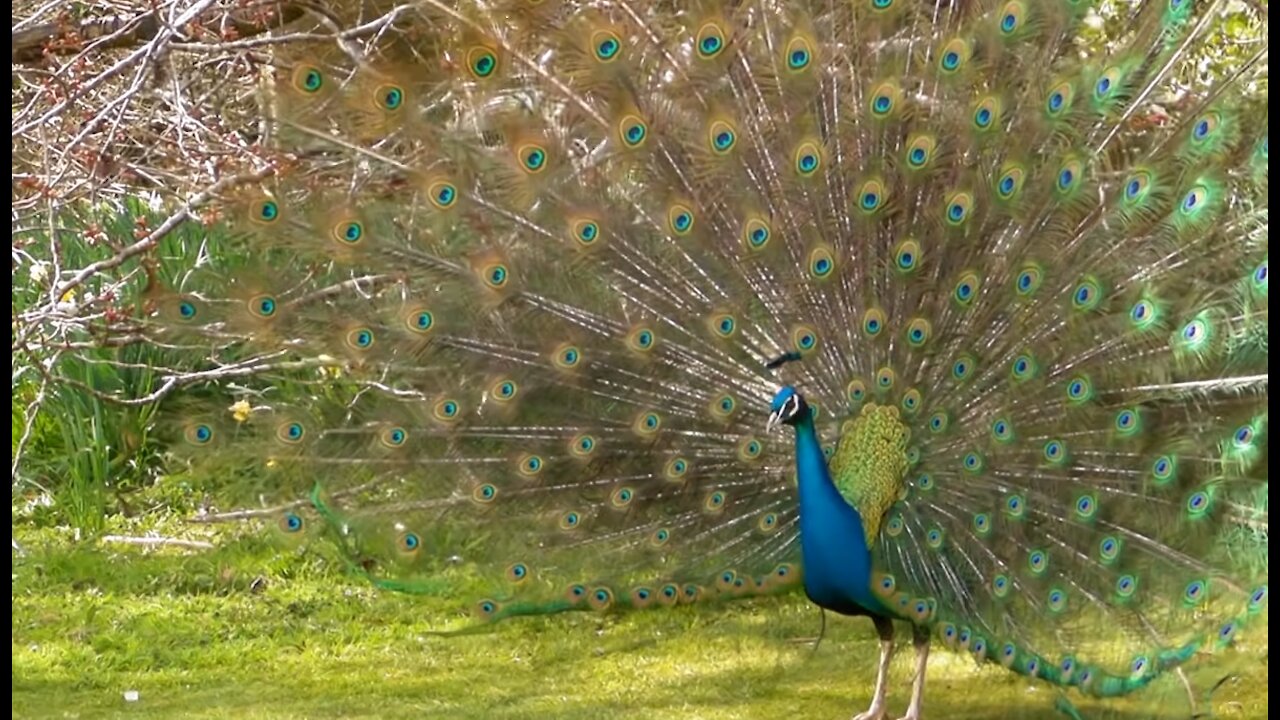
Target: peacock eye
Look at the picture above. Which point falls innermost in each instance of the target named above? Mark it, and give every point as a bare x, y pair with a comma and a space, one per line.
264, 306
588, 232
360, 339
798, 59
482, 62
633, 131
757, 234
710, 41
534, 159
442, 194
392, 97
607, 46
723, 137
268, 211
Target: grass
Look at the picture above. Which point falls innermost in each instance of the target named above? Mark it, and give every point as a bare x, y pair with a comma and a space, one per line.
246, 631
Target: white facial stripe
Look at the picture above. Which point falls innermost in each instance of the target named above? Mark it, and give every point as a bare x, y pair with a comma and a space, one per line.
791, 406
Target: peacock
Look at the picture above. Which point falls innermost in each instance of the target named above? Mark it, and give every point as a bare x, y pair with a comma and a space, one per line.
951, 314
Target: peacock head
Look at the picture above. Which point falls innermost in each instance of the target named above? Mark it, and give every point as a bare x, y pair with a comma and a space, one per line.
788, 407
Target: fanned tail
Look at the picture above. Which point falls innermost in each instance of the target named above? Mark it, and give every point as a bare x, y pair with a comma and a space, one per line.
535, 273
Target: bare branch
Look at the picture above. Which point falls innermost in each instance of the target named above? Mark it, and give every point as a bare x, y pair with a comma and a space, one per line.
32, 43
158, 541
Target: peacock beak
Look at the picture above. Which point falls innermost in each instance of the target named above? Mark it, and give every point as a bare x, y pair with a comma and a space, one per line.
774, 418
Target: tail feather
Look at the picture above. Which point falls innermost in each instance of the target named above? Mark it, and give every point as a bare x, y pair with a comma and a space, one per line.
531, 272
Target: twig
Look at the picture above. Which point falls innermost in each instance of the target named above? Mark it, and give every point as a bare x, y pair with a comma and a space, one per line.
161, 541
31, 44
29, 414
155, 236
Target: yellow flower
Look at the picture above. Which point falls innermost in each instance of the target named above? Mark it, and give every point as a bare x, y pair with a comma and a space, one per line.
332, 367
241, 410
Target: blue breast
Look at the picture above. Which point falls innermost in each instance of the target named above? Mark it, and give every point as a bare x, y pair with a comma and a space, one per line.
837, 561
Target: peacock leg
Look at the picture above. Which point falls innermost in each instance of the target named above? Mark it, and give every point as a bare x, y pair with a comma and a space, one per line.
884, 627
920, 641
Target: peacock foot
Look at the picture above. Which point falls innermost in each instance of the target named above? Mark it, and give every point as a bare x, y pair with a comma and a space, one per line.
872, 713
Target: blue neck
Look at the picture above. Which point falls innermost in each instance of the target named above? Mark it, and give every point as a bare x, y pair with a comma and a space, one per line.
833, 544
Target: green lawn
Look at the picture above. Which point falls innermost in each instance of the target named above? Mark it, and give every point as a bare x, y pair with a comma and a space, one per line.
196, 638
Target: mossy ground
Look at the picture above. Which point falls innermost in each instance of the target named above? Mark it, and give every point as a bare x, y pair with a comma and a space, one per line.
248, 632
